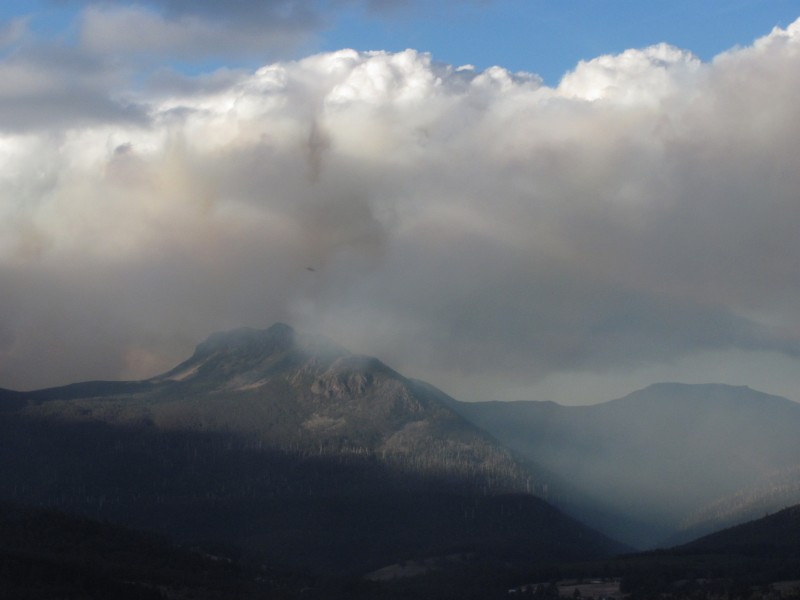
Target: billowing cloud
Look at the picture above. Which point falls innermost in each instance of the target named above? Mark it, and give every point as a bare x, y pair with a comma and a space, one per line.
478, 229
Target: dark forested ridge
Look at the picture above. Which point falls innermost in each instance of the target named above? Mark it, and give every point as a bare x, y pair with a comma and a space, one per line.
663, 464
290, 450
46, 554
776, 535
757, 559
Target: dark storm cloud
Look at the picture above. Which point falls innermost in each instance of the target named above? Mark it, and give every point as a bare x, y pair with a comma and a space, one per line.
50, 85
265, 9
243, 10
196, 31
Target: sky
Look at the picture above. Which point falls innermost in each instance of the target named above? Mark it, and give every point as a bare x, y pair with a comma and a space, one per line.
511, 199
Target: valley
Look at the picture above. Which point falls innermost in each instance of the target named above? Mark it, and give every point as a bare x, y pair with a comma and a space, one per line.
663, 465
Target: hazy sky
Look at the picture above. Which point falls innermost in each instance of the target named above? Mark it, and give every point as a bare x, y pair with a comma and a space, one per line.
512, 199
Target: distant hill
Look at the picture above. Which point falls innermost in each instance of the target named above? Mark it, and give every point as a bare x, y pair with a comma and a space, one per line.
665, 459
771, 492
775, 535
290, 447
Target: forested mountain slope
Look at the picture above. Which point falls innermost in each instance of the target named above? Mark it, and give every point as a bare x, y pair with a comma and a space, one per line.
291, 448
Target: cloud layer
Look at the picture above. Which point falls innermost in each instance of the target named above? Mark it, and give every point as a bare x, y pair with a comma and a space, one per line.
478, 229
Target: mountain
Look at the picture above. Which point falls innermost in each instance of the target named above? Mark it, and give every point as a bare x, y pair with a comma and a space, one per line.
290, 448
288, 391
661, 463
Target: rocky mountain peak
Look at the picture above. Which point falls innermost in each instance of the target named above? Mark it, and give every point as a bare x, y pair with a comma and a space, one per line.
246, 356
226, 353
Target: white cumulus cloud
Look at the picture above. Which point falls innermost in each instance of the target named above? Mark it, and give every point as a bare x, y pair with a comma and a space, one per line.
478, 229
